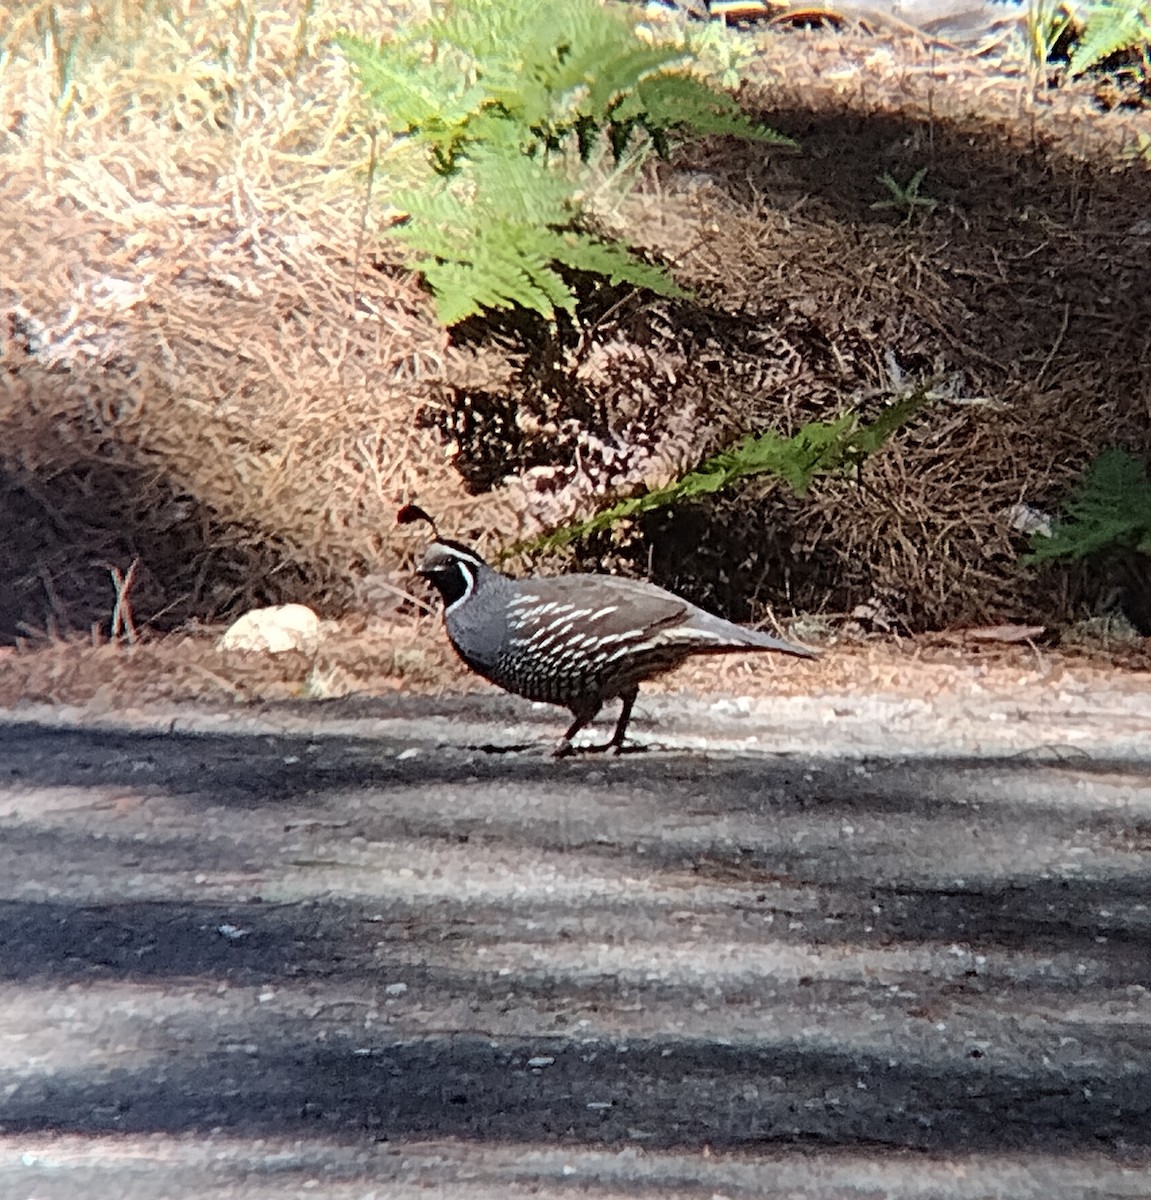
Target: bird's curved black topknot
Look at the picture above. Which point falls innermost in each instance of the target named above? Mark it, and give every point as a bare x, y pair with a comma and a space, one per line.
411, 513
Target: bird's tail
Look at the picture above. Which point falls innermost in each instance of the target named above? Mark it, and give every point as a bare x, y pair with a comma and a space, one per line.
727, 638
764, 641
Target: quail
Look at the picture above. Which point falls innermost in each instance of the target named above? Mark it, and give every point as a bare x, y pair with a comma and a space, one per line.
572, 640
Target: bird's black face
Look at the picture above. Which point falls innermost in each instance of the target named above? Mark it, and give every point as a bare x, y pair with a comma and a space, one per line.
452, 569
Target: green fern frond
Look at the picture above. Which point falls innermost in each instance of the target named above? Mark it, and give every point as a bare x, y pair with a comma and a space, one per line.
496, 186
507, 99
589, 63
1110, 510
820, 448
506, 218
492, 32
796, 460
416, 91
582, 252
497, 276
503, 263
867, 439
520, 188
1111, 27
493, 265
680, 101
621, 74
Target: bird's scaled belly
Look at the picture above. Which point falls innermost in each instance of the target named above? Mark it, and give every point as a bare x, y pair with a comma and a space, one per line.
572, 686
532, 681
575, 685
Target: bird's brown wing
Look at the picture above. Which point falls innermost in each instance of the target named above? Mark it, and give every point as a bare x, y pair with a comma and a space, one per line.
627, 612
618, 606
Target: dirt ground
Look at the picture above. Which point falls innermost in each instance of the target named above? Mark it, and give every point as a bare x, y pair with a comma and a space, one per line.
817, 939
380, 656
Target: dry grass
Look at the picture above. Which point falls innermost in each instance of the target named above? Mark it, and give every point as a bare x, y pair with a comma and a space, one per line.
355, 656
1021, 300
364, 659
213, 371
205, 366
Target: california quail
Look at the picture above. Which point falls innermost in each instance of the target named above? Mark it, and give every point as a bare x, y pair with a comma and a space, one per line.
575, 640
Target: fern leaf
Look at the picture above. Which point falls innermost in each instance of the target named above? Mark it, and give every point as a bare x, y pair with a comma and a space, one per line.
582, 53
1110, 27
1110, 510
440, 221
815, 449
623, 74
413, 91
491, 32
582, 252
458, 294
680, 101
491, 90
510, 185
495, 278
869, 438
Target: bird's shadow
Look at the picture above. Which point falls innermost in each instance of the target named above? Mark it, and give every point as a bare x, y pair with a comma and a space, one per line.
550, 750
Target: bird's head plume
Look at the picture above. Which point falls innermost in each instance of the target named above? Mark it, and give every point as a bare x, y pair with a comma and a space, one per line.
450, 566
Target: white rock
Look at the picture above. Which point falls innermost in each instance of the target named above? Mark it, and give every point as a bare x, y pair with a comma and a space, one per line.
274, 630
1025, 518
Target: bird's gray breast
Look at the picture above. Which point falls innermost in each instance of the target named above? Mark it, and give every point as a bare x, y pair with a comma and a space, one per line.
478, 626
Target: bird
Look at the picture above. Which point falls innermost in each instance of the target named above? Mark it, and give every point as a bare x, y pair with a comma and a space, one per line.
575, 640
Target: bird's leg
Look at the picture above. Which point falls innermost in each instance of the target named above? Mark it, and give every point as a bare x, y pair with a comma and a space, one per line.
582, 717
615, 746
628, 699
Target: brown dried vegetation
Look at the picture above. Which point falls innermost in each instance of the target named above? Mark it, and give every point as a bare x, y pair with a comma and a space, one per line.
211, 364
205, 365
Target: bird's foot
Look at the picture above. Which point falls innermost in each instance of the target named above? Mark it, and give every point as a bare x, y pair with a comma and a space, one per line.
566, 750
617, 748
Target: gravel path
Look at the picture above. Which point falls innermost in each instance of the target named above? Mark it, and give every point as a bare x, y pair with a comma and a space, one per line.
859, 947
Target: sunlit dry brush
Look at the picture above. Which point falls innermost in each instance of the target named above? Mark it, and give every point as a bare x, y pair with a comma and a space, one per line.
204, 364
213, 363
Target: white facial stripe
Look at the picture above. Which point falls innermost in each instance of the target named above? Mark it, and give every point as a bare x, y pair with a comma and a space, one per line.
459, 555
469, 574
